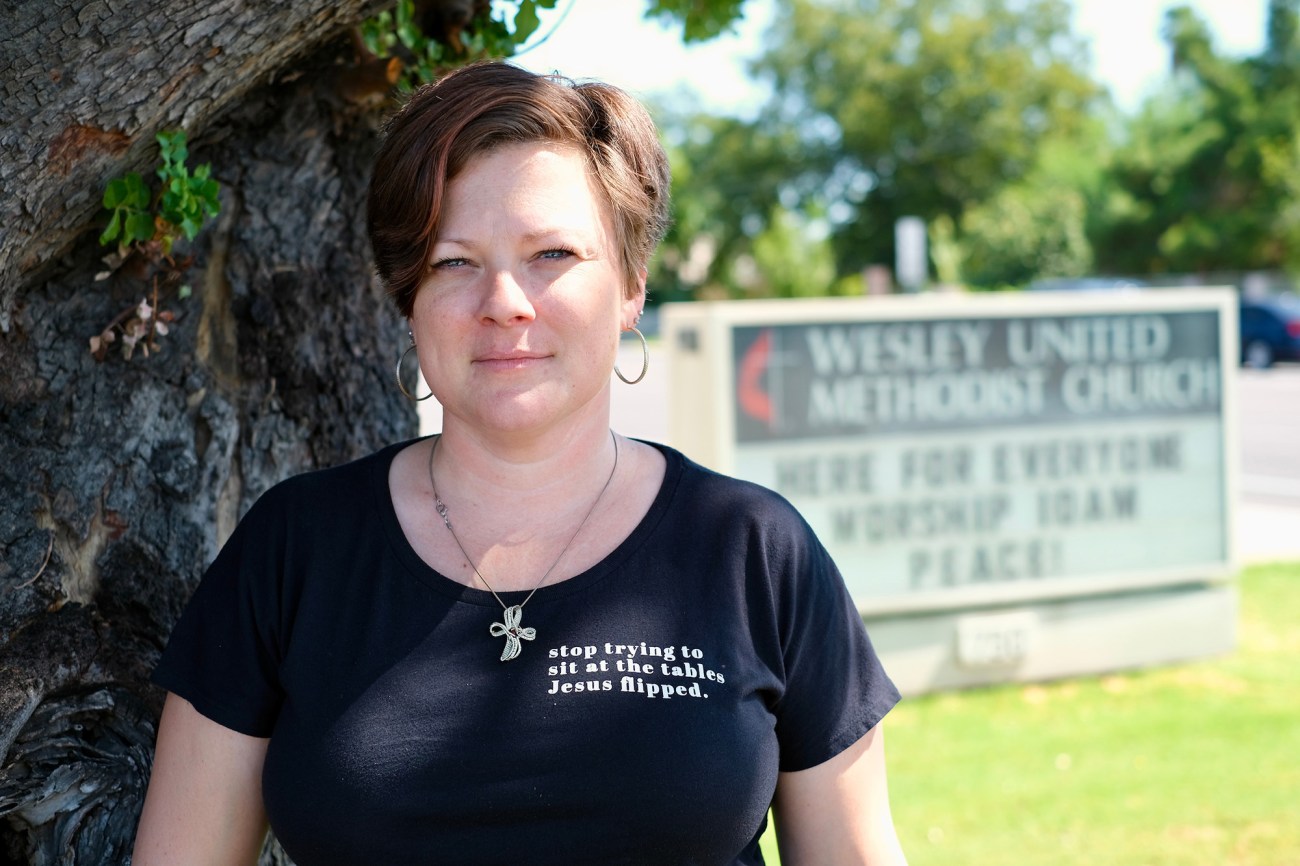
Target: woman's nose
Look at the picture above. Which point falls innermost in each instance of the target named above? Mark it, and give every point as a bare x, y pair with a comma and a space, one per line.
505, 299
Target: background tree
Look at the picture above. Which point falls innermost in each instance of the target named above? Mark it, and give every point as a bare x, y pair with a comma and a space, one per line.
793, 258
978, 118
881, 109
927, 106
123, 477
1206, 178
1038, 225
729, 177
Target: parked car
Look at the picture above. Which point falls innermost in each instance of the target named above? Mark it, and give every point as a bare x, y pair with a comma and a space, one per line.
1270, 330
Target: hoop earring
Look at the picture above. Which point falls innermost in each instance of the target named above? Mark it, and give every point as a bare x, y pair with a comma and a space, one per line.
645, 360
398, 372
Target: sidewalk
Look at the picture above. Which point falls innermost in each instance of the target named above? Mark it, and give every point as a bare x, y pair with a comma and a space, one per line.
1267, 532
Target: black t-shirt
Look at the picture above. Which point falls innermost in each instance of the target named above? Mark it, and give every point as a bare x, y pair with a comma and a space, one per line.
645, 722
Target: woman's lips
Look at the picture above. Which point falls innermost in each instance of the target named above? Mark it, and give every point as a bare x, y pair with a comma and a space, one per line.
510, 360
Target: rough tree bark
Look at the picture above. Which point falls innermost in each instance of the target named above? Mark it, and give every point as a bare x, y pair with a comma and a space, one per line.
120, 479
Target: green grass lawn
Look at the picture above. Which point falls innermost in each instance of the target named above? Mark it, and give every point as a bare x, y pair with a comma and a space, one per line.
1188, 765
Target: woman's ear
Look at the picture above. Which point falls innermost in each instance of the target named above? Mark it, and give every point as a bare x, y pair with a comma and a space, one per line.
632, 306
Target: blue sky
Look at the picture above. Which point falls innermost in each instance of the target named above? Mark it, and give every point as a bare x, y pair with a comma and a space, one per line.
609, 40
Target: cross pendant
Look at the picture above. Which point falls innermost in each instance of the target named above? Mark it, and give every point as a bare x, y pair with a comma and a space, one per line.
512, 632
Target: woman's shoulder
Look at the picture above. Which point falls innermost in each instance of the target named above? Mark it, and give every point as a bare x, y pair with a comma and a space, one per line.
706, 491
739, 521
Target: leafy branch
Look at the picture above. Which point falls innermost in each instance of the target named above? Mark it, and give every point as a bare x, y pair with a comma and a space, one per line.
148, 225
427, 55
184, 203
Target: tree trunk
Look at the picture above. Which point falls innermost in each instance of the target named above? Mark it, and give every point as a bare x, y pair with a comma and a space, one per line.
85, 84
122, 478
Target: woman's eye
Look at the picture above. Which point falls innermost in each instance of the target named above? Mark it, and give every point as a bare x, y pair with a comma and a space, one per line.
556, 254
444, 264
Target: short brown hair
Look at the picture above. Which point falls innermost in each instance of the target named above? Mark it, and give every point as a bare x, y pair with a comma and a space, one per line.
479, 107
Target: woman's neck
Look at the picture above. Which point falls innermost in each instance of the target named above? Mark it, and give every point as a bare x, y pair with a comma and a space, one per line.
517, 472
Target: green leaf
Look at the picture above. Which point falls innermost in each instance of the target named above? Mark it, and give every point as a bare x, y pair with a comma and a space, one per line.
202, 172
526, 21
473, 42
184, 291
170, 206
137, 193
111, 232
411, 36
208, 191
190, 227
700, 21
172, 145
115, 193
372, 35
139, 227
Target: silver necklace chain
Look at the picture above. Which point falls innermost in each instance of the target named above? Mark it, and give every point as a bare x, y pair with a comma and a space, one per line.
510, 629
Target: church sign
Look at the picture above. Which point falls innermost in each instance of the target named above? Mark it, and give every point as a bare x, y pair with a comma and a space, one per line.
983, 459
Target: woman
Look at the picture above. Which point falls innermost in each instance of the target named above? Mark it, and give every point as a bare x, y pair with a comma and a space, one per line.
527, 638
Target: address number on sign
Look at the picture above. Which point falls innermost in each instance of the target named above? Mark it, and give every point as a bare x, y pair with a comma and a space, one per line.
996, 639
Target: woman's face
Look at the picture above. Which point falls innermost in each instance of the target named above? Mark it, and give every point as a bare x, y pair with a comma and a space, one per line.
518, 317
